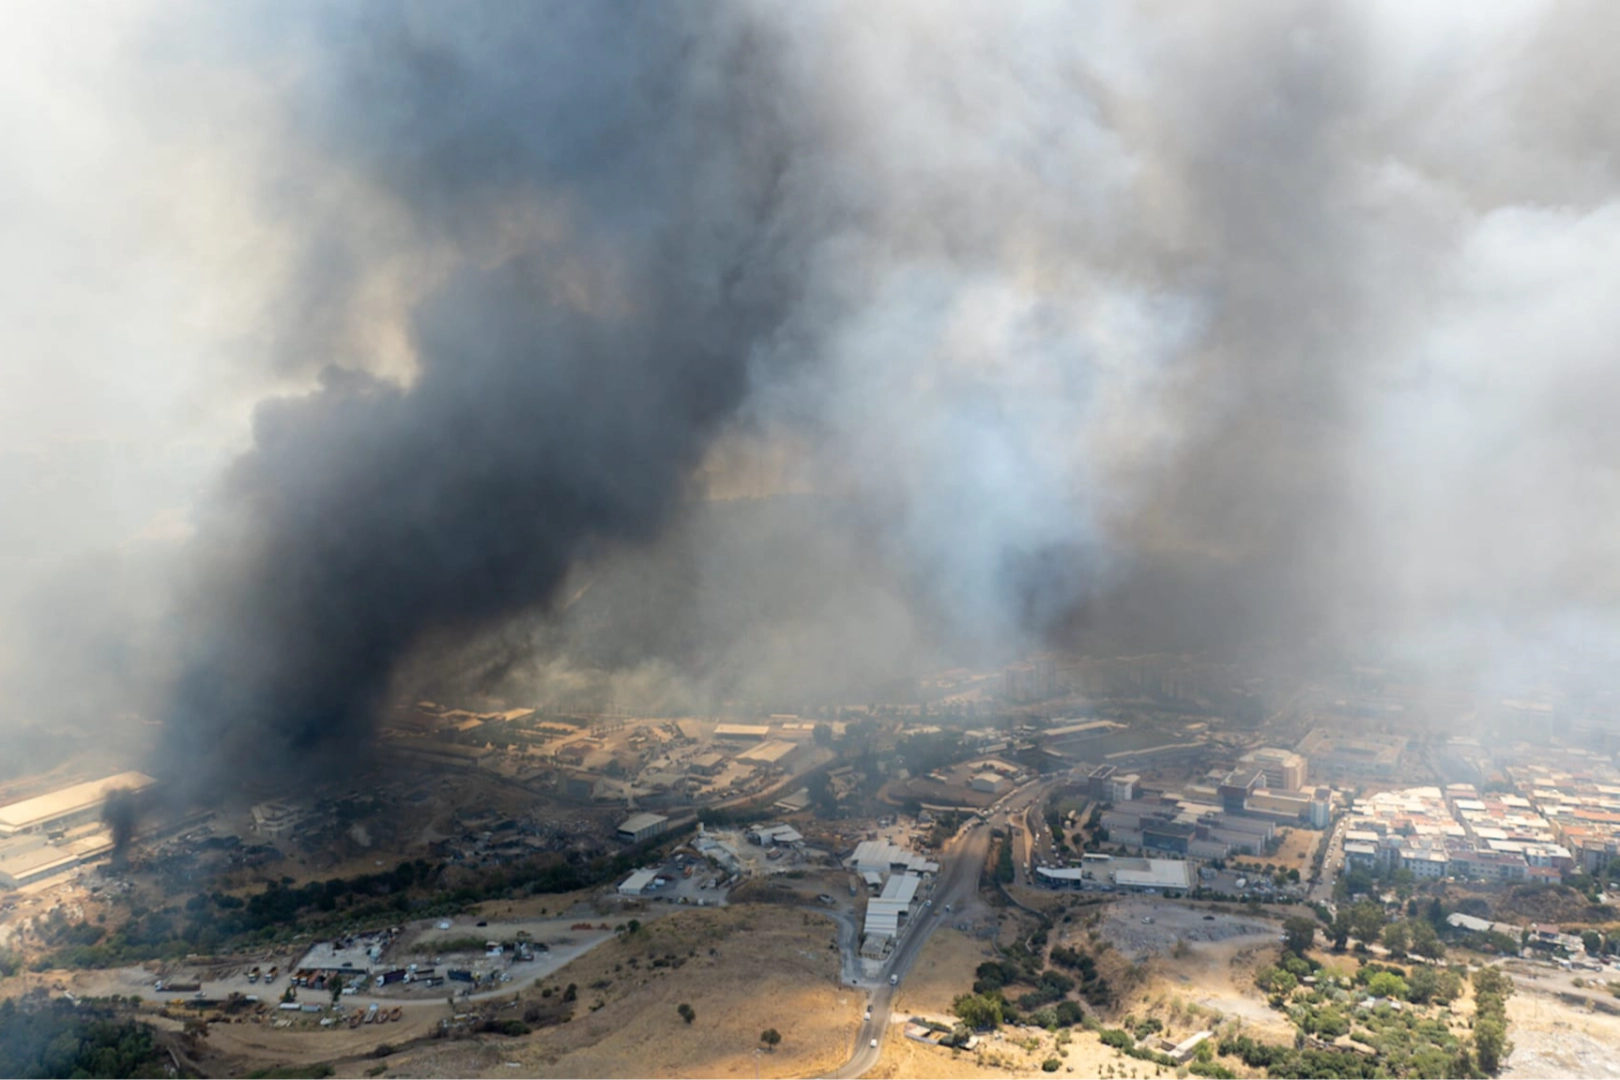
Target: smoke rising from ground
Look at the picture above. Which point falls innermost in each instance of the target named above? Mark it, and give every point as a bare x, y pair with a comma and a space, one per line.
1135, 327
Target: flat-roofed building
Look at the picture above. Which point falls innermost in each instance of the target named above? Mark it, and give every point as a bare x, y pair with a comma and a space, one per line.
67, 806
434, 752
1350, 753
1285, 770
27, 858
989, 783
882, 857
742, 732
276, 818
776, 753
637, 883
1132, 875
639, 827
794, 803
1123, 788
706, 764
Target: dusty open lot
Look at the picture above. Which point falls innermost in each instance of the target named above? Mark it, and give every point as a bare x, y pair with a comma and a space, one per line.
1298, 847
1141, 927
742, 969
1017, 1052
1559, 1029
941, 971
1209, 978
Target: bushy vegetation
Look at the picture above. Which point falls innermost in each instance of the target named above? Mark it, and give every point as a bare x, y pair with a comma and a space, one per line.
1492, 988
210, 922
1093, 987
1405, 1041
57, 1039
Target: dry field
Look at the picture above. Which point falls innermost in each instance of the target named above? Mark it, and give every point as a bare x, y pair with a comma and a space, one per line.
941, 971
1559, 1029
1298, 846
1009, 1055
742, 969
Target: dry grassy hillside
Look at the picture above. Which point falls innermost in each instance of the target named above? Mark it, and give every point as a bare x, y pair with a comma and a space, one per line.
741, 969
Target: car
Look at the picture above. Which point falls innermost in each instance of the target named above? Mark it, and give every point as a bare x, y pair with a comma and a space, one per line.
482, 922
874, 1044
1209, 918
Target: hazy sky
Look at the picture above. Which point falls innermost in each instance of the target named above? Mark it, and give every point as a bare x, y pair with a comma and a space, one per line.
1310, 302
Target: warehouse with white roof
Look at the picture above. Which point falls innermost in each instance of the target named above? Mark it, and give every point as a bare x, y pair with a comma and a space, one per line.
67, 806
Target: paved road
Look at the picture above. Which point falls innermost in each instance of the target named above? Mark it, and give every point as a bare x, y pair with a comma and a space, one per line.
1332, 865
958, 886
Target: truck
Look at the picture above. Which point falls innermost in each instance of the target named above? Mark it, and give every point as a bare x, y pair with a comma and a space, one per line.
177, 987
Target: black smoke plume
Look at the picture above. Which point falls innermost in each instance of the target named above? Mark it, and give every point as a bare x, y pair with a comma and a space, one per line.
121, 814
601, 187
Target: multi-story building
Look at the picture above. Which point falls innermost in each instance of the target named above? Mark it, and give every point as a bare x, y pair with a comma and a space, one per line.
1284, 769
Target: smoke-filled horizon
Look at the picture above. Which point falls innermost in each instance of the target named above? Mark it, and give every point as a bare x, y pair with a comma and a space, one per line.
1258, 326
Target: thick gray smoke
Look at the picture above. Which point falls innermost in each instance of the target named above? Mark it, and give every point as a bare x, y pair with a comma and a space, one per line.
1130, 327
603, 184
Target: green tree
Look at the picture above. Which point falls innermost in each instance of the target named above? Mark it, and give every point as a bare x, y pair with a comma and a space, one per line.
1494, 984
980, 1012
336, 985
1593, 941
1424, 985
1366, 921
1299, 933
1396, 939
1274, 980
686, 1012
1341, 929
1387, 984
1491, 1043
1426, 940
770, 1037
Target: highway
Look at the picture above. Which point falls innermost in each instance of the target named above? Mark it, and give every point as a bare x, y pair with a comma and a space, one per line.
960, 861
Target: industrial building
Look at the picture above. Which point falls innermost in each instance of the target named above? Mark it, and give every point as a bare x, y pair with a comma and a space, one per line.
1132, 875
1340, 754
276, 818
638, 883
706, 764
639, 827
775, 835
776, 753
882, 857
989, 783
28, 858
434, 752
67, 806
886, 913
794, 803
742, 732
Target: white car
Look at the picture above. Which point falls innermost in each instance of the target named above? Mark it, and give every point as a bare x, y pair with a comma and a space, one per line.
874, 1044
